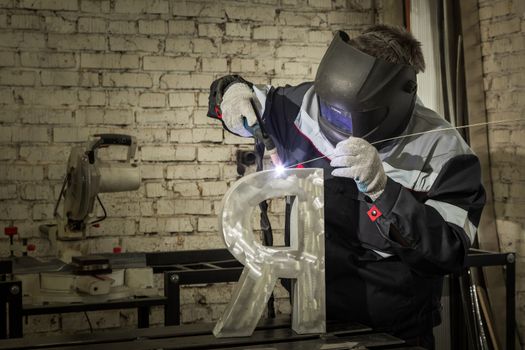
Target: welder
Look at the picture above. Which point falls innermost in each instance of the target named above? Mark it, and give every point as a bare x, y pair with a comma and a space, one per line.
401, 210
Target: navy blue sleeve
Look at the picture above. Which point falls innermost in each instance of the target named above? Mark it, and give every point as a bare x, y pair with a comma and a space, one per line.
433, 234
282, 107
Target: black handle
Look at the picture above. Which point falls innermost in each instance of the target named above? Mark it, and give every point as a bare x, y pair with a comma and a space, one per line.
258, 116
114, 139
259, 130
108, 139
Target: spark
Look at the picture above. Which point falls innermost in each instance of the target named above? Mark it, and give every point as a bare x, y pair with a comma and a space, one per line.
279, 169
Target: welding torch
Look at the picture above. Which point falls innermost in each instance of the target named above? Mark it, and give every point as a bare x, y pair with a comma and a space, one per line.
259, 132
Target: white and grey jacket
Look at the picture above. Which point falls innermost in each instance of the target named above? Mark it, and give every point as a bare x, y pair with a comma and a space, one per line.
386, 270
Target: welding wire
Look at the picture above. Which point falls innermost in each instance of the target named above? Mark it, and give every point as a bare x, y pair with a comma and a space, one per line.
451, 128
419, 133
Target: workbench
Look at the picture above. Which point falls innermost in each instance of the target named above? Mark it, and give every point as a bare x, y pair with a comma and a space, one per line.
271, 334
210, 266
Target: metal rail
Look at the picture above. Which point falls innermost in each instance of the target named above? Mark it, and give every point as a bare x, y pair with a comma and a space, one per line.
199, 267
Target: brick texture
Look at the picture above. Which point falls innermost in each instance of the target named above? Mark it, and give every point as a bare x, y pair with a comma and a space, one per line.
503, 49
73, 68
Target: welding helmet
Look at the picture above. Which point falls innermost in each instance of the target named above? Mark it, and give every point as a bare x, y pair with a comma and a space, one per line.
362, 96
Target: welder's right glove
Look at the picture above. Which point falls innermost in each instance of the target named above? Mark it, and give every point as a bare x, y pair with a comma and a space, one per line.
237, 111
357, 159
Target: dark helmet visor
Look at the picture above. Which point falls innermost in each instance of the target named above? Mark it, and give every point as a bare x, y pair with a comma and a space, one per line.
343, 124
339, 118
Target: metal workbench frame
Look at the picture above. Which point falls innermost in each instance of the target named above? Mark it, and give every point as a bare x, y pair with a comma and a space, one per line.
199, 267
179, 268
216, 266
270, 333
480, 258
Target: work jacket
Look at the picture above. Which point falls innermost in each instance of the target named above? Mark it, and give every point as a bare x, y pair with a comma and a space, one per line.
385, 259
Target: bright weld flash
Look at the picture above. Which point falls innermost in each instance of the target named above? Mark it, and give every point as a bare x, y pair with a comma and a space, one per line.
279, 169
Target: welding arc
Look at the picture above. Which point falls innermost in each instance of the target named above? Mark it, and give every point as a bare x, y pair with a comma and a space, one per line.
420, 133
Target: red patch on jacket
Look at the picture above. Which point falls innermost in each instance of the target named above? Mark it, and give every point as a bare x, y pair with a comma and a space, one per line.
374, 213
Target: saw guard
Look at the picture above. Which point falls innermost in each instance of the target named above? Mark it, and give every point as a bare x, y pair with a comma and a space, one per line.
83, 186
87, 176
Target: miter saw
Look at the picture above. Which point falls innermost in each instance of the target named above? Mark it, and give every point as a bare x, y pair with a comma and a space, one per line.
73, 277
86, 177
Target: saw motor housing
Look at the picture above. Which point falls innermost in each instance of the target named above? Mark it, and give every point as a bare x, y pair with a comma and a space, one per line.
87, 176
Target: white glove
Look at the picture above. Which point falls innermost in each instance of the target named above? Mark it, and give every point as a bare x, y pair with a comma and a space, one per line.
235, 105
359, 160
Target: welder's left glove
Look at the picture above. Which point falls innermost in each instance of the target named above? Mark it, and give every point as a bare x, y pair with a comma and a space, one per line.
357, 159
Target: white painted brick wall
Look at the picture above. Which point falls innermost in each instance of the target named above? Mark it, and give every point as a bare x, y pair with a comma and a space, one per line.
214, 154
163, 64
152, 99
503, 50
69, 69
127, 80
8, 153
134, 44
181, 27
207, 135
109, 61
47, 60
123, 27
215, 188
185, 189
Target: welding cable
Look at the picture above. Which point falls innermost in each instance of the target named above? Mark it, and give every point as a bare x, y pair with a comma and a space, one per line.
102, 218
62, 190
